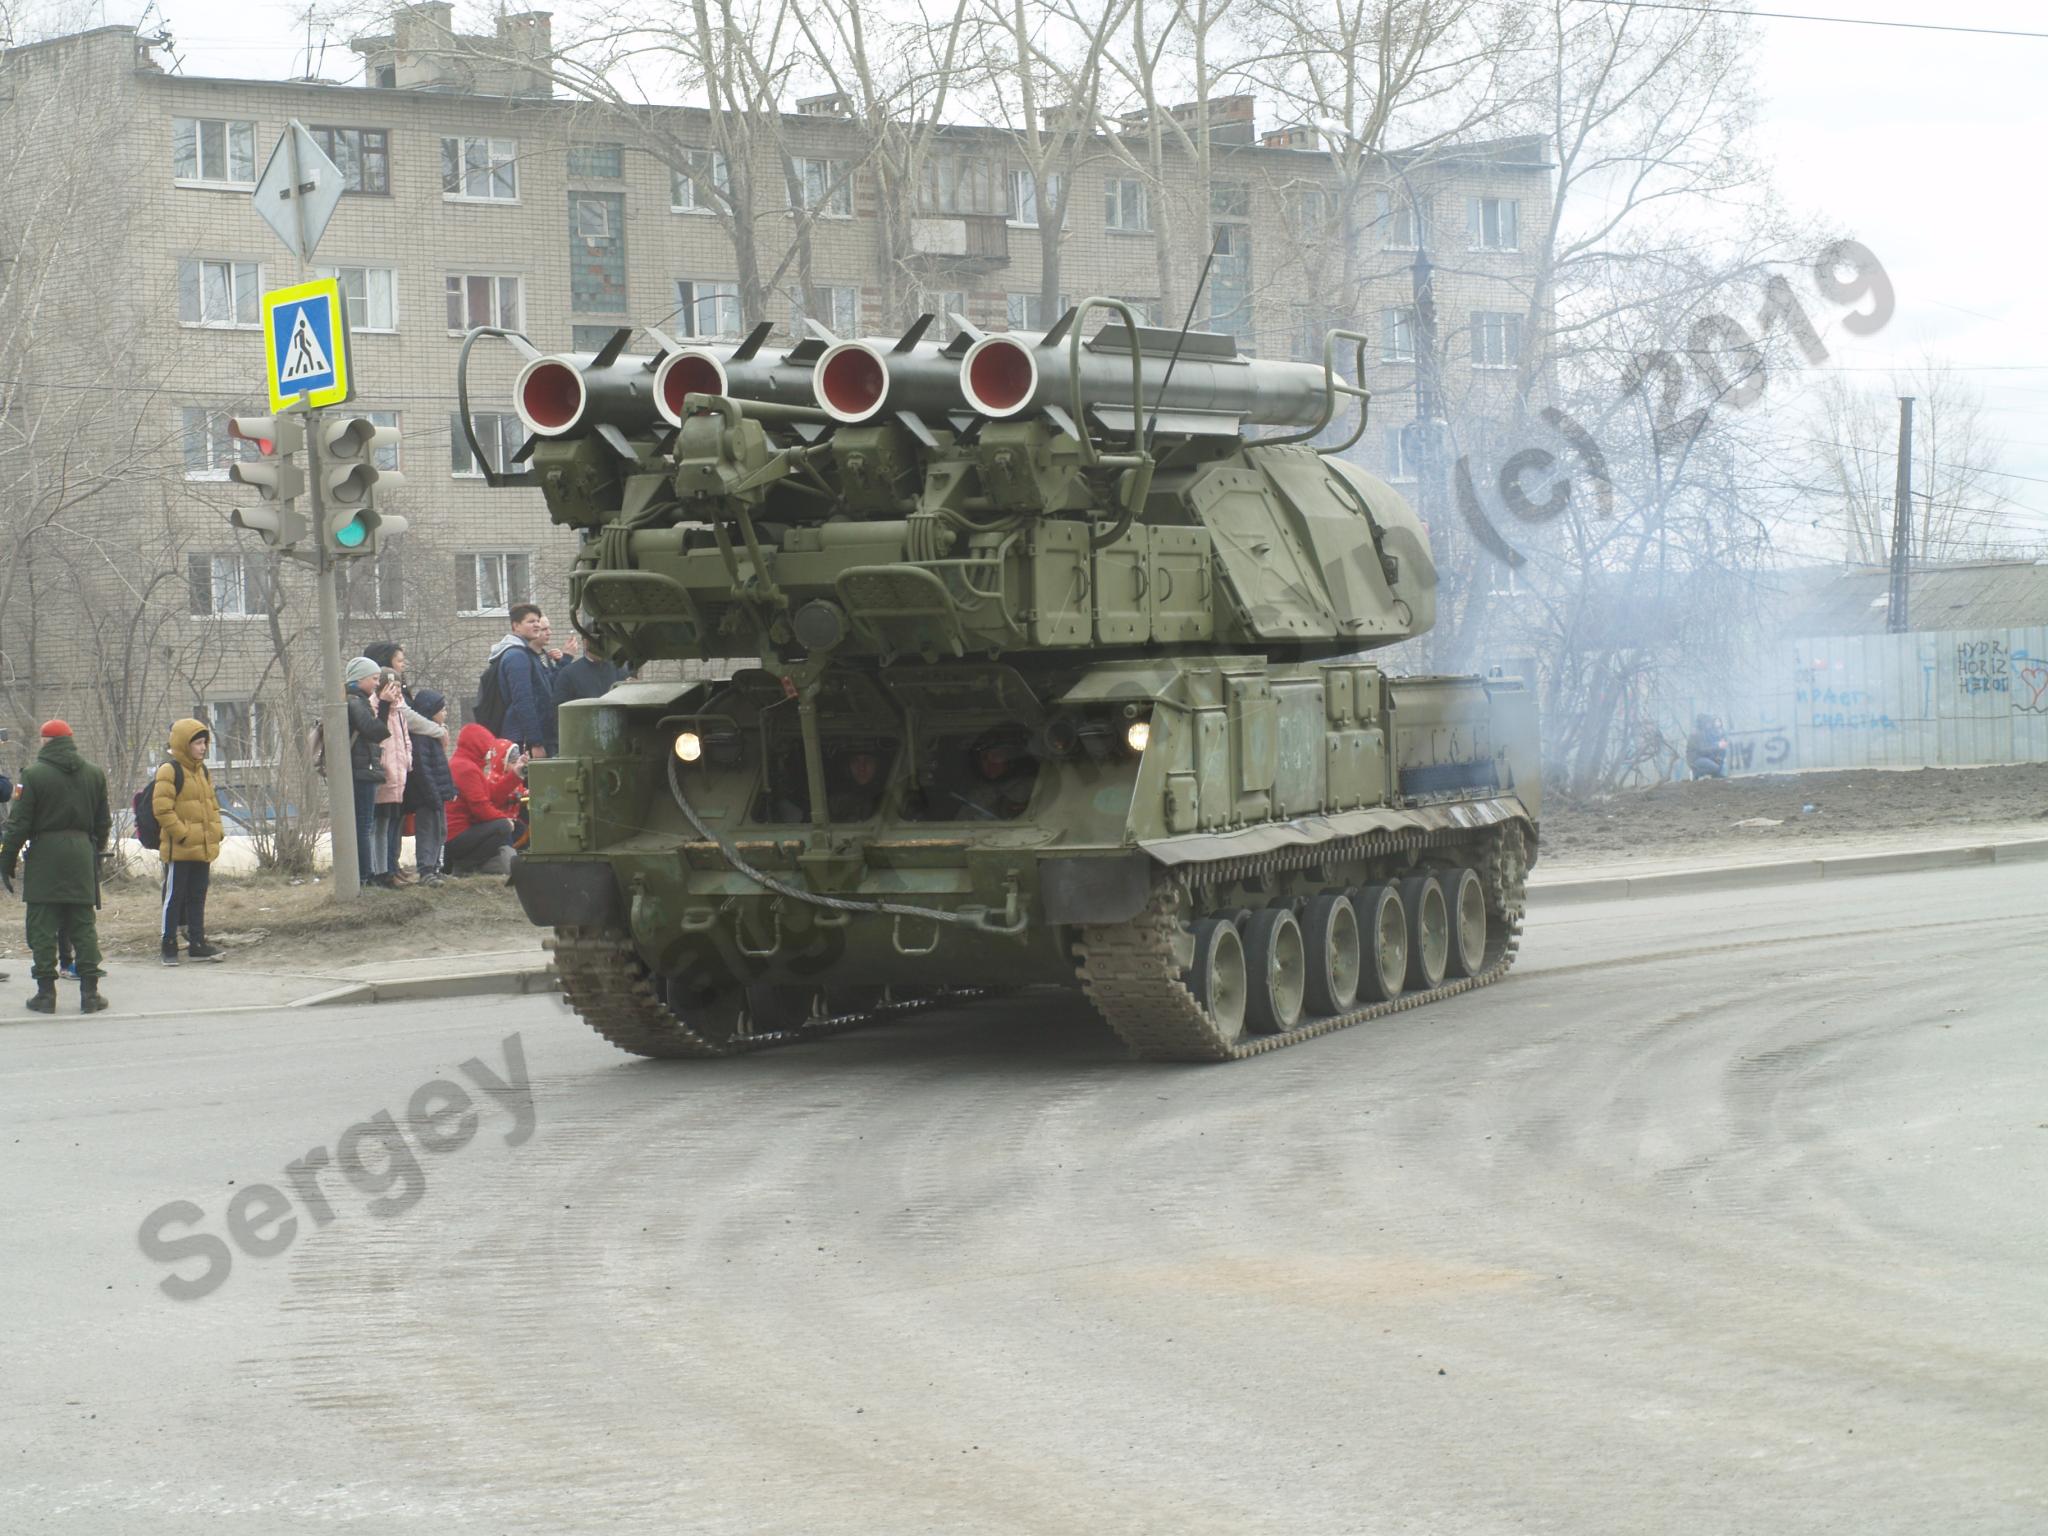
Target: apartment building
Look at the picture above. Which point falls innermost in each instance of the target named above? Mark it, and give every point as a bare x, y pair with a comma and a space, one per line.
476, 194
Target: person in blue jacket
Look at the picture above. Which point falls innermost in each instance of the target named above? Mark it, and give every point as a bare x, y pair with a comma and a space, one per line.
526, 682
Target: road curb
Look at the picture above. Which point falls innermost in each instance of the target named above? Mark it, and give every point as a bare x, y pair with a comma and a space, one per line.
1783, 872
509, 981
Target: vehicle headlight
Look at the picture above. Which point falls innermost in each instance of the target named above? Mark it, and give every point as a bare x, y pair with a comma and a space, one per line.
1138, 735
689, 746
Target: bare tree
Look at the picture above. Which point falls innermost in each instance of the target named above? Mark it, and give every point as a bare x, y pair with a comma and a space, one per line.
1960, 510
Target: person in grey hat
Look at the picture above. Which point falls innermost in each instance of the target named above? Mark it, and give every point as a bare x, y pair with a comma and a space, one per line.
366, 735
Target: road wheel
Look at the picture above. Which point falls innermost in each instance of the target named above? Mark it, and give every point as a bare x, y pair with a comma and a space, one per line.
1217, 977
1383, 929
773, 1008
1429, 931
1276, 970
1329, 933
1468, 923
719, 1014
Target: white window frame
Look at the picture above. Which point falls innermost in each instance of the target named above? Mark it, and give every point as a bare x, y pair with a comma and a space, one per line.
1489, 327
712, 299
503, 558
390, 553
842, 309
1397, 334
1399, 470
682, 185
200, 179
828, 194
1017, 310
588, 228
1146, 309
222, 449
500, 155
389, 456
367, 276
510, 431
259, 734
238, 272
1121, 190
1508, 224
236, 570
517, 321
1414, 212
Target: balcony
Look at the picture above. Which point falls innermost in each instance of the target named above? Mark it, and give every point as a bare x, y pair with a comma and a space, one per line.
966, 241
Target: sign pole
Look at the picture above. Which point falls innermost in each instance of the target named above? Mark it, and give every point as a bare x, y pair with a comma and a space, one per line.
341, 787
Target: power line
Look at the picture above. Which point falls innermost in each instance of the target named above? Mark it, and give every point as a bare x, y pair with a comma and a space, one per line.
1839, 21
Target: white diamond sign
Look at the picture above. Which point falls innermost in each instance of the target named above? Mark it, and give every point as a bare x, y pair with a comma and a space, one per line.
298, 200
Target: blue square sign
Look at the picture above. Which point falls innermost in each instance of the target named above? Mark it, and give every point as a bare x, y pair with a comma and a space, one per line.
306, 344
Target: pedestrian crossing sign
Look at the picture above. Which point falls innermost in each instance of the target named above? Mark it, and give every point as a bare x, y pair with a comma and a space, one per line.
305, 332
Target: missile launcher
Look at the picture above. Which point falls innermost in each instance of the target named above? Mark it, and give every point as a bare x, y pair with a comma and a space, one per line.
1062, 675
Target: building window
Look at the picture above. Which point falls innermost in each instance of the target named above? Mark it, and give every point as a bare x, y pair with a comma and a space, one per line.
1493, 223
386, 454
1397, 335
219, 293
1399, 458
839, 310
1306, 335
228, 585
363, 156
824, 187
491, 581
707, 309
210, 152
208, 449
1027, 311
1230, 200
375, 587
370, 295
959, 184
1496, 340
242, 733
480, 170
592, 338
1125, 205
476, 299
1027, 198
701, 188
1230, 286
1401, 222
1147, 310
498, 433
597, 252
1311, 209
597, 162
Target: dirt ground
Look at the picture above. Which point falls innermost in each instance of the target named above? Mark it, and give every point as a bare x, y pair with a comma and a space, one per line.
281, 922
1674, 821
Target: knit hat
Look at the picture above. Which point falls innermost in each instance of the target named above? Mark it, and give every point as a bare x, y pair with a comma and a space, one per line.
56, 728
359, 669
429, 703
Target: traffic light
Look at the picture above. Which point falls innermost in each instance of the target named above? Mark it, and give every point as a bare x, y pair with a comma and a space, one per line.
349, 483
279, 480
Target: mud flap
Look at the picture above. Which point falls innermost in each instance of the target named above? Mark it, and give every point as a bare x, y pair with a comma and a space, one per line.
1081, 889
568, 895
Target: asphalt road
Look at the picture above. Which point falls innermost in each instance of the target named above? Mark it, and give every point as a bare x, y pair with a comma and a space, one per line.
1724, 1214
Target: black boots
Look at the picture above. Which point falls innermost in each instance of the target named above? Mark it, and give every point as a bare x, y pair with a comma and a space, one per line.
45, 1000
89, 999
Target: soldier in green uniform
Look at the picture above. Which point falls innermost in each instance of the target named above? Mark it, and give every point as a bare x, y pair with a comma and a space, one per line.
62, 815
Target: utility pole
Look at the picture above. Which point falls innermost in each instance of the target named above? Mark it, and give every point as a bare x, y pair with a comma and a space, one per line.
1902, 522
341, 789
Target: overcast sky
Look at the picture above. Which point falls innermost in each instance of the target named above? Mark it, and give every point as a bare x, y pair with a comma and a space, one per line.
1926, 145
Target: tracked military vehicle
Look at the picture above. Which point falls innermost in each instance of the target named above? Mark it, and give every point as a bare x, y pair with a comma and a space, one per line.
1064, 676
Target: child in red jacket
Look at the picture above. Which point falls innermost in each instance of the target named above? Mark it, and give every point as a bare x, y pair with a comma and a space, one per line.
482, 814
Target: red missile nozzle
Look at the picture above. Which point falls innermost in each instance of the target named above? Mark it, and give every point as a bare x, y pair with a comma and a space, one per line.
684, 373
549, 396
851, 381
998, 376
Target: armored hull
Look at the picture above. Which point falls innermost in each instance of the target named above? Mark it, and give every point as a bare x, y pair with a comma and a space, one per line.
1037, 703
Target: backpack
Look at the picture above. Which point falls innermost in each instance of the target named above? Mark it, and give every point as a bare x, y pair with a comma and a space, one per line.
488, 710
148, 831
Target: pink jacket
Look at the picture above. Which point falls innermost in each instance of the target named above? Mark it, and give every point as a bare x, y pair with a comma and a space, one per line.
397, 760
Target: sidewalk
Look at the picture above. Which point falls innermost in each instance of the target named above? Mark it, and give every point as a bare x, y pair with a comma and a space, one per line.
1626, 880
145, 988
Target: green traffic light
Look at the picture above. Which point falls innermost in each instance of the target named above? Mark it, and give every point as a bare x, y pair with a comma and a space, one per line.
351, 533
